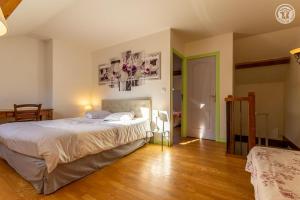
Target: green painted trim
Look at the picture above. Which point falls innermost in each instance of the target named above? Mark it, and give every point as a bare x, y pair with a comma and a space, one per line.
178, 53
185, 88
184, 108
218, 99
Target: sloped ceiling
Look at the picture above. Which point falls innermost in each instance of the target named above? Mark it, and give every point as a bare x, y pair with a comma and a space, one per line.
30, 14
101, 23
269, 74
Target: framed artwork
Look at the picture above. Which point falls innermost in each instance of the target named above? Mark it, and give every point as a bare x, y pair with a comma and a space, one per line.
104, 72
116, 68
138, 59
152, 69
131, 70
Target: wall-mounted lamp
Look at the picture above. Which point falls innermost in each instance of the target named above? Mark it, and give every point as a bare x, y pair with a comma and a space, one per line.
296, 53
3, 25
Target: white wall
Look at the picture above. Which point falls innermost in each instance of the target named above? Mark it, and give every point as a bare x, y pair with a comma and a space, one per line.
159, 90
267, 101
71, 79
223, 44
264, 81
274, 73
23, 73
292, 106
48, 83
52, 72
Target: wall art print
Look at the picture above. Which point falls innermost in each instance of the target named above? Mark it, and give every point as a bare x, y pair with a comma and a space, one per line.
131, 70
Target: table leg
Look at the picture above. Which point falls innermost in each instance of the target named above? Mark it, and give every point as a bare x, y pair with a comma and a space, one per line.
162, 141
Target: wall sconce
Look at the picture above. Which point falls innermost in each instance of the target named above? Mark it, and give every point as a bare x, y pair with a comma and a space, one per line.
296, 53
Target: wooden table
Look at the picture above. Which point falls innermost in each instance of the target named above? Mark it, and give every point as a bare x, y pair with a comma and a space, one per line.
7, 115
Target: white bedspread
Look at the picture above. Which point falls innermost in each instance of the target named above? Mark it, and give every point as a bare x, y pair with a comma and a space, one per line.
275, 173
66, 140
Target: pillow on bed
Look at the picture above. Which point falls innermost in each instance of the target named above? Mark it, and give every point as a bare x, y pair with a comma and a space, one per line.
100, 114
120, 116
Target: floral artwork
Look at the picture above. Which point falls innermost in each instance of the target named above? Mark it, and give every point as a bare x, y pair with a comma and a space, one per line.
131, 70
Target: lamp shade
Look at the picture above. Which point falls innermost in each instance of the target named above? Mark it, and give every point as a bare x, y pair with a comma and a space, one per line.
3, 25
295, 51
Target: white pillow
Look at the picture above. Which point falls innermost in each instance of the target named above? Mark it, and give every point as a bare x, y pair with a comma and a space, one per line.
120, 116
100, 114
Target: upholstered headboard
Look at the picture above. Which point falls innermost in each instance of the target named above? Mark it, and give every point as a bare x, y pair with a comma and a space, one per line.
142, 107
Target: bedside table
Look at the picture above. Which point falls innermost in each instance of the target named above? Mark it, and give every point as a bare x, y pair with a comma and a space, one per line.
164, 134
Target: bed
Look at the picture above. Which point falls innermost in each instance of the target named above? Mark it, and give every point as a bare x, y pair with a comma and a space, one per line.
275, 173
54, 153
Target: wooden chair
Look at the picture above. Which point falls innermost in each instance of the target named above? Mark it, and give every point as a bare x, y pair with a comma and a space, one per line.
27, 112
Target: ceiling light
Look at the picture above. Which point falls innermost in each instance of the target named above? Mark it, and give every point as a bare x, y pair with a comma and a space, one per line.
296, 53
3, 25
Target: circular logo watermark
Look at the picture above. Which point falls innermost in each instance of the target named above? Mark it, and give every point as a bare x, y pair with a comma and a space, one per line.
285, 13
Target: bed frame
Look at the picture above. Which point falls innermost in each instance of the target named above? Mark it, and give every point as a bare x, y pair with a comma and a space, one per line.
142, 107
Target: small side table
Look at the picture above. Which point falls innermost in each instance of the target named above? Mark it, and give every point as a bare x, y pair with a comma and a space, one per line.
163, 117
163, 135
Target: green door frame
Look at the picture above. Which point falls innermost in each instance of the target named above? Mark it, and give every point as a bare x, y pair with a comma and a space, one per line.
185, 59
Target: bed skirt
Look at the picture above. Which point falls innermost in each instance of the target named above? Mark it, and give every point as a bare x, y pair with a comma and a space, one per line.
34, 170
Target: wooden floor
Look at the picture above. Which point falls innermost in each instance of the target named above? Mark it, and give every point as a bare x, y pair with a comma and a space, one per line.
191, 170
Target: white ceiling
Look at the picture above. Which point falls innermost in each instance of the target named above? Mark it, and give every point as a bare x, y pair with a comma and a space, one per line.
101, 23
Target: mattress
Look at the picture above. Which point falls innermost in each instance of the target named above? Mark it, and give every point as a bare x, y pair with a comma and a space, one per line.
67, 140
275, 173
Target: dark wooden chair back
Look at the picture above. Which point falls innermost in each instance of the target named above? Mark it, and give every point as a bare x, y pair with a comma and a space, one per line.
27, 112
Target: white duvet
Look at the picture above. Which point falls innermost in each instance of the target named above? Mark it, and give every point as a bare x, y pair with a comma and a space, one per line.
66, 140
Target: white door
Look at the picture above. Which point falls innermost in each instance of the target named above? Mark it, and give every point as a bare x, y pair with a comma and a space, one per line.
201, 97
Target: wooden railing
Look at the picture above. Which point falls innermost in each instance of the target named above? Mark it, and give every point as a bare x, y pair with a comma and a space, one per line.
231, 119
